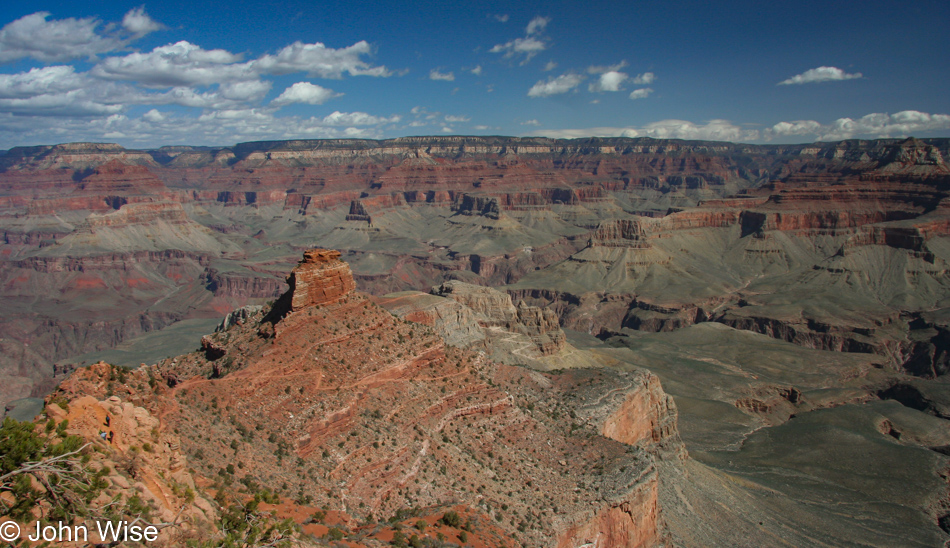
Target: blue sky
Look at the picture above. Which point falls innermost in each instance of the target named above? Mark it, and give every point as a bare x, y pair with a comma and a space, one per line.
196, 72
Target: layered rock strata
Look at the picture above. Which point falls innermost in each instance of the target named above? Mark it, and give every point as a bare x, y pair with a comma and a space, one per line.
377, 414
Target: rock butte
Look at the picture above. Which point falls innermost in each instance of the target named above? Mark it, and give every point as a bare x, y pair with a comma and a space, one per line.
825, 264
378, 419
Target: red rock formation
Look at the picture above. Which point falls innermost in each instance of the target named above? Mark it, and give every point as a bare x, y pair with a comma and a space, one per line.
627, 523
647, 416
320, 278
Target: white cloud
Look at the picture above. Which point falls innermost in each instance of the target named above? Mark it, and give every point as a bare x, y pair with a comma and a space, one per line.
154, 116
875, 125
226, 96
61, 91
798, 127
820, 74
532, 44
139, 23
644, 79
178, 64
600, 69
871, 126
145, 132
357, 119
528, 47
714, 130
186, 64
550, 65
531, 123
642, 93
477, 71
481, 128
446, 129
449, 118
608, 81
434, 74
39, 81
502, 17
54, 41
554, 86
317, 60
536, 25
305, 92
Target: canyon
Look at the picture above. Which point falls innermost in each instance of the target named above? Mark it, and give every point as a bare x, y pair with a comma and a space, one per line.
755, 295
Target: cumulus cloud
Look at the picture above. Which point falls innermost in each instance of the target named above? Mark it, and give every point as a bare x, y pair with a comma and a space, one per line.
871, 126
798, 127
154, 128
644, 79
317, 60
357, 119
528, 47
531, 123
600, 69
451, 119
304, 92
503, 17
714, 130
41, 80
61, 91
550, 65
820, 74
154, 116
532, 44
226, 96
477, 71
608, 81
536, 25
642, 93
554, 86
434, 74
186, 64
178, 64
139, 23
58, 40
875, 125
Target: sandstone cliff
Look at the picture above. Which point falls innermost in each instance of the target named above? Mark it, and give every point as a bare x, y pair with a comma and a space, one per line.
378, 414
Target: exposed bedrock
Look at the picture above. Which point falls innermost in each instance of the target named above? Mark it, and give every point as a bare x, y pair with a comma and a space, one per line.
320, 278
109, 261
495, 309
374, 403
637, 412
916, 345
630, 521
224, 284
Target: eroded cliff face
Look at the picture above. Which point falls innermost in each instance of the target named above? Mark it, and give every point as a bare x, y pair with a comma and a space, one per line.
645, 416
494, 309
320, 278
378, 413
641, 234
630, 522
140, 457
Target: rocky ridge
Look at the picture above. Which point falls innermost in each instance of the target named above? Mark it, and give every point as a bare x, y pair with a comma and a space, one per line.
369, 414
